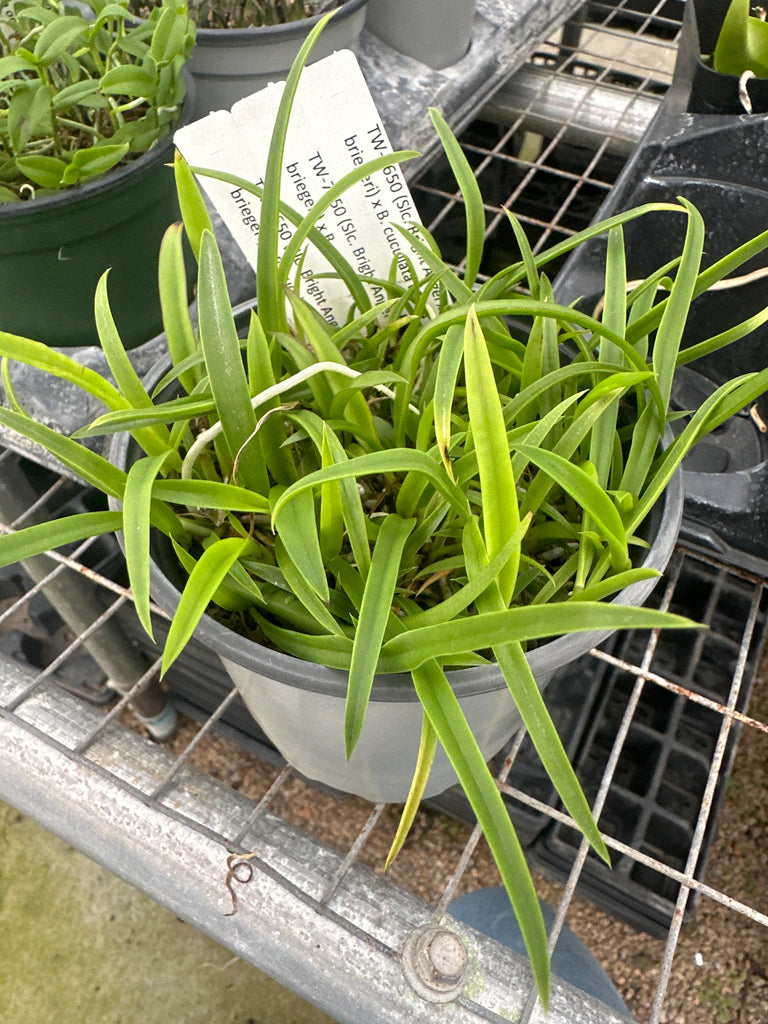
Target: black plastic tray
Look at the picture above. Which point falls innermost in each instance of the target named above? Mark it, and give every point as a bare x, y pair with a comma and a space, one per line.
571, 697
656, 795
720, 163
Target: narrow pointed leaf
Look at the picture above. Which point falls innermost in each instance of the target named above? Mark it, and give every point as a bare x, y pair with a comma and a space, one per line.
297, 529
470, 191
36, 540
395, 460
448, 365
444, 712
535, 622
497, 482
224, 363
137, 500
593, 499
204, 581
194, 212
210, 494
309, 599
371, 626
174, 302
424, 759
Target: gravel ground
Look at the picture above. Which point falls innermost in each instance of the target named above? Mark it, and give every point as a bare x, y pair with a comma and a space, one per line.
720, 971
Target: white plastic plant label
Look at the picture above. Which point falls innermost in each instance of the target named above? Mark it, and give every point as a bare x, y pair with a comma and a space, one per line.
334, 128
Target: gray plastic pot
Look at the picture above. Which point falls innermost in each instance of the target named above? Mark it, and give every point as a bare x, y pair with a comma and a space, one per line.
54, 249
300, 705
435, 32
229, 64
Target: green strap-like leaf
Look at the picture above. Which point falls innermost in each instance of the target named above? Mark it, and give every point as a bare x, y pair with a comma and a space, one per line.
588, 493
137, 501
614, 317
175, 411
529, 260
50, 361
332, 651
331, 510
445, 714
529, 702
36, 540
535, 714
210, 494
470, 191
536, 622
448, 365
670, 331
299, 585
204, 581
341, 266
93, 468
194, 212
316, 334
497, 481
268, 290
449, 609
424, 760
174, 303
122, 369
297, 529
232, 598
224, 363
396, 460
261, 376
718, 407
371, 627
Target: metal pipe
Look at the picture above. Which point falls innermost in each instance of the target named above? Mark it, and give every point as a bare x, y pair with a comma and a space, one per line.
74, 599
590, 111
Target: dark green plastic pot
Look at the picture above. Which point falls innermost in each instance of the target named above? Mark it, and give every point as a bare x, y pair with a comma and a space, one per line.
54, 249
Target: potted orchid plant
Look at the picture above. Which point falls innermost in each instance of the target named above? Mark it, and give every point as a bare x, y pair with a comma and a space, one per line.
394, 529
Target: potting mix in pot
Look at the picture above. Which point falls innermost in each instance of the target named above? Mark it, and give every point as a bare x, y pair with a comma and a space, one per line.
410, 493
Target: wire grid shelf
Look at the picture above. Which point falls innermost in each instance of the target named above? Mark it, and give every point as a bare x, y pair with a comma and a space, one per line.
206, 850
240, 864
551, 143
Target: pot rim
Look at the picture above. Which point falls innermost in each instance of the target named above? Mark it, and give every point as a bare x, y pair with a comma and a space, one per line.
666, 518
237, 36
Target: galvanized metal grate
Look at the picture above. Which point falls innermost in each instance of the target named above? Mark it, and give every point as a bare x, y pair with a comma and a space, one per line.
550, 144
199, 846
309, 908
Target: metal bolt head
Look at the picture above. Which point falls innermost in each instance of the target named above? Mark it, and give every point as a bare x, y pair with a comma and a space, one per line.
447, 956
435, 963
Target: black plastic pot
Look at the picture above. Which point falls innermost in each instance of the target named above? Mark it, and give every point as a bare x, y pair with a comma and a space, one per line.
719, 163
54, 249
710, 91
